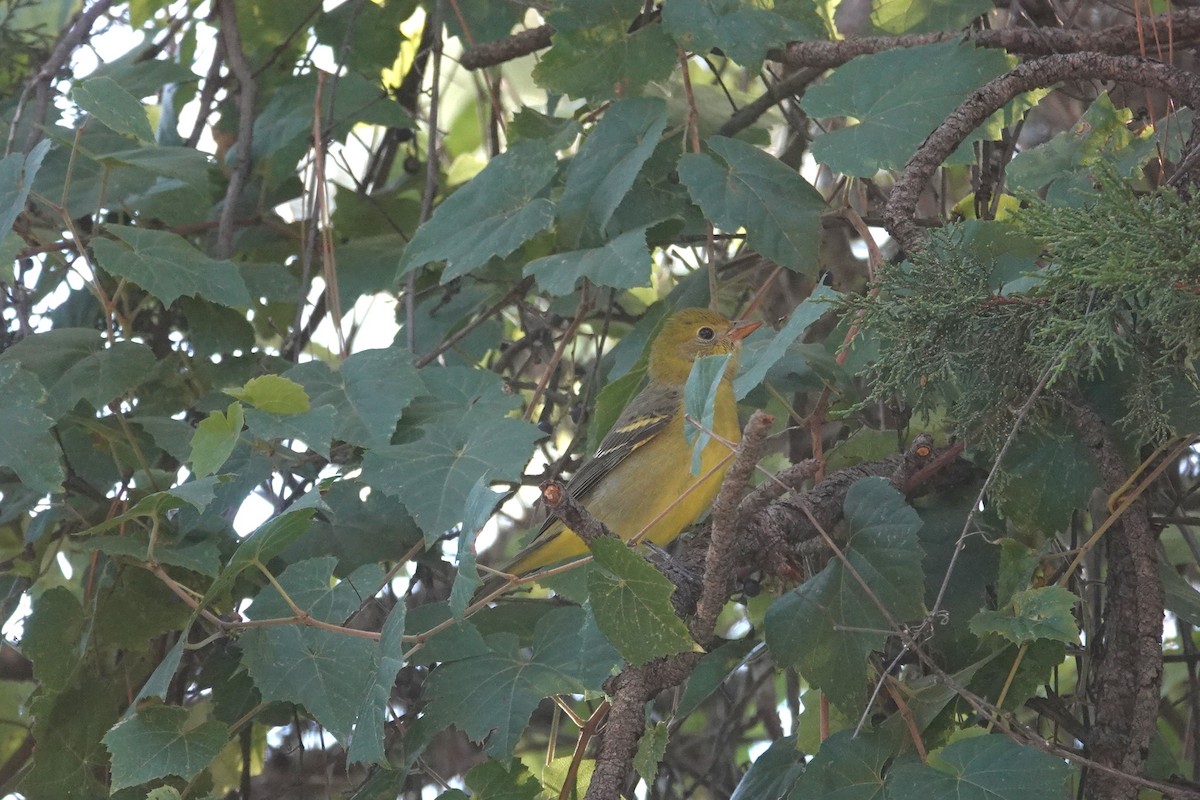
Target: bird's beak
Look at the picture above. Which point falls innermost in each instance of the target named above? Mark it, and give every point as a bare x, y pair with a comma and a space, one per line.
743, 328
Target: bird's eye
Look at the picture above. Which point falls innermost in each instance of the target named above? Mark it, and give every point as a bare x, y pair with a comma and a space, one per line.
705, 334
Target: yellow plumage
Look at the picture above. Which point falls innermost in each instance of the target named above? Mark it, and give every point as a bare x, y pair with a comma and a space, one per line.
640, 481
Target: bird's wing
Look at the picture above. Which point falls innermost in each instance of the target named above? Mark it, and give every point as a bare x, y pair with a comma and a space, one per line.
643, 419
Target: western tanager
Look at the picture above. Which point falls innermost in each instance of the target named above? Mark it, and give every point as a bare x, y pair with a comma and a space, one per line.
640, 482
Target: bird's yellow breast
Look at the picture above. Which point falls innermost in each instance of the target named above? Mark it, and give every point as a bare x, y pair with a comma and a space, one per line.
671, 496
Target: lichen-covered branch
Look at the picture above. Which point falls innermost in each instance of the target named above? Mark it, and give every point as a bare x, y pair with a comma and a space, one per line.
1126, 673
901, 208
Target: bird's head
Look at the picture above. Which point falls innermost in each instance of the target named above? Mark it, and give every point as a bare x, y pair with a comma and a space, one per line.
689, 334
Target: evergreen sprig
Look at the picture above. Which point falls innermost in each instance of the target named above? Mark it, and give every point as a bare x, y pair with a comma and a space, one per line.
1114, 298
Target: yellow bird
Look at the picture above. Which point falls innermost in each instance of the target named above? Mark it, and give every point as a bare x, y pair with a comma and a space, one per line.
639, 482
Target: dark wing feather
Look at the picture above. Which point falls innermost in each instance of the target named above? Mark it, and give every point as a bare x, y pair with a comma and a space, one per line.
642, 420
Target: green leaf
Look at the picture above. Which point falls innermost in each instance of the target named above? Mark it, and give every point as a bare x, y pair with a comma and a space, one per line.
1017, 565
1063, 161
267, 541
74, 364
595, 56
17, 172
190, 167
492, 695
216, 436
350, 528
772, 774
632, 603
214, 329
529, 124
742, 30
1179, 596
368, 391
367, 744
981, 768
622, 263
711, 672
54, 638
750, 189
137, 611
459, 640
332, 674
166, 266
894, 117
651, 749
883, 550
366, 264
433, 475
754, 364
847, 767
160, 741
481, 502
1044, 613
160, 680
109, 102
202, 557
493, 780
973, 577
314, 427
273, 393
493, 215
921, 16
373, 29
1042, 658
26, 445
68, 729
1047, 474
603, 171
484, 21
700, 402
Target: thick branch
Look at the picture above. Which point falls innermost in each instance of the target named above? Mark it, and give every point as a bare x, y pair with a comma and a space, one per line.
1126, 675
630, 691
1041, 72
245, 138
490, 54
1180, 27
718, 569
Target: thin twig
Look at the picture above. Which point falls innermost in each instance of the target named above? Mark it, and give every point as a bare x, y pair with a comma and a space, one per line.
40, 83
429, 190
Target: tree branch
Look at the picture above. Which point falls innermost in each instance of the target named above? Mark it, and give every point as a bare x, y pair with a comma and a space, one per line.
791, 86
718, 568
630, 691
490, 54
571, 512
1127, 659
901, 208
1181, 27
245, 139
